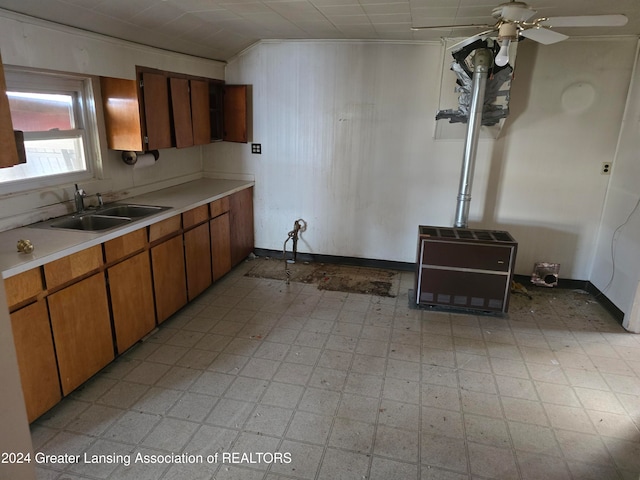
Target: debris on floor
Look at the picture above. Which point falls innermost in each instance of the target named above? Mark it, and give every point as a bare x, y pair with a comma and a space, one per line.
332, 277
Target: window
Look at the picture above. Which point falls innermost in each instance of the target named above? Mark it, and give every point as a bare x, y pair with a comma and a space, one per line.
56, 112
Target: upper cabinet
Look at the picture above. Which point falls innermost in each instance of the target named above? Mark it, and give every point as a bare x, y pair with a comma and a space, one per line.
235, 113
138, 112
8, 150
229, 112
153, 92
163, 110
189, 106
200, 111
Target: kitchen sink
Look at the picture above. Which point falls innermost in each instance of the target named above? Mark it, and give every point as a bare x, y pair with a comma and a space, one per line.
90, 222
103, 218
131, 211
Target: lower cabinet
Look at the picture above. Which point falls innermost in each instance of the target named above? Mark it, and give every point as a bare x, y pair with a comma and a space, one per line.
197, 254
169, 281
241, 222
220, 245
131, 300
65, 314
36, 358
81, 330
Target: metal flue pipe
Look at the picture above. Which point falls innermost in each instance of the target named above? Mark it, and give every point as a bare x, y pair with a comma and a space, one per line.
482, 61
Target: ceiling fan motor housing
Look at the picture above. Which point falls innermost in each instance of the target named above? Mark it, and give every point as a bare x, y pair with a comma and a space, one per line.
514, 12
508, 31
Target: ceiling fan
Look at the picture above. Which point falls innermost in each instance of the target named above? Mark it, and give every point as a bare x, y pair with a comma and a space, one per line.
516, 19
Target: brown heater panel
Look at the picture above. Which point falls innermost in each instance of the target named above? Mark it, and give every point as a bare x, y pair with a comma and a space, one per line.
463, 268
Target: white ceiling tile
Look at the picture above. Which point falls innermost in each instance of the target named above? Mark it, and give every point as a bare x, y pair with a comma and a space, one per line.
386, 8
248, 8
391, 18
157, 15
344, 20
320, 3
339, 10
122, 9
221, 28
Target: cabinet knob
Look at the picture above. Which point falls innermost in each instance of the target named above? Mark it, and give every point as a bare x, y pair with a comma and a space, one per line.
25, 246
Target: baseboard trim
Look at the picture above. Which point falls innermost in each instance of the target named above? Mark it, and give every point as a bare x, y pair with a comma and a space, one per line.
568, 283
354, 261
563, 283
607, 304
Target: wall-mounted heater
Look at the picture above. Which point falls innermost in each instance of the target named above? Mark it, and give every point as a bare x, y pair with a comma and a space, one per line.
466, 269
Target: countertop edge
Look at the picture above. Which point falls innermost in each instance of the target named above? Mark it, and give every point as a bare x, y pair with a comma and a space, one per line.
61, 243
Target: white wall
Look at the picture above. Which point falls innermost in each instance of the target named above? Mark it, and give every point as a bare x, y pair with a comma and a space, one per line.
25, 41
347, 140
618, 276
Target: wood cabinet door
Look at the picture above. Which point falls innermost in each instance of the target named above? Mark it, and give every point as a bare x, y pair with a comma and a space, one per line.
200, 112
169, 280
8, 146
121, 113
241, 222
181, 109
216, 109
131, 300
81, 330
157, 120
220, 245
235, 113
197, 253
36, 358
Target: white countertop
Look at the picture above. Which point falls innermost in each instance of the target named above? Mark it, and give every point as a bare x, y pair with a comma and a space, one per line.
52, 244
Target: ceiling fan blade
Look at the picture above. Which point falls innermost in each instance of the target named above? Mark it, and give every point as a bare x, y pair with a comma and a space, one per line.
471, 39
543, 35
449, 27
586, 21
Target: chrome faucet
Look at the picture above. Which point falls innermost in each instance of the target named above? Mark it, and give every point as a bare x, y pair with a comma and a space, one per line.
79, 199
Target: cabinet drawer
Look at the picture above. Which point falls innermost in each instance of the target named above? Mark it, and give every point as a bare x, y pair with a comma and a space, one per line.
72, 266
466, 255
164, 228
195, 216
24, 286
219, 207
125, 245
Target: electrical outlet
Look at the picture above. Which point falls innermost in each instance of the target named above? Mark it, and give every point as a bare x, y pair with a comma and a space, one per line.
256, 148
606, 168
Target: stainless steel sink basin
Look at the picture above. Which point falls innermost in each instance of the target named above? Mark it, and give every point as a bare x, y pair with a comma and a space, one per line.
107, 217
131, 211
90, 222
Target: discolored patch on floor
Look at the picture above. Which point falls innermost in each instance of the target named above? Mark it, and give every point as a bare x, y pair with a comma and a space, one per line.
333, 277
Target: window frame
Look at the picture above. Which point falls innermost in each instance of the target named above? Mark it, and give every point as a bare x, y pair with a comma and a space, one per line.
23, 79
